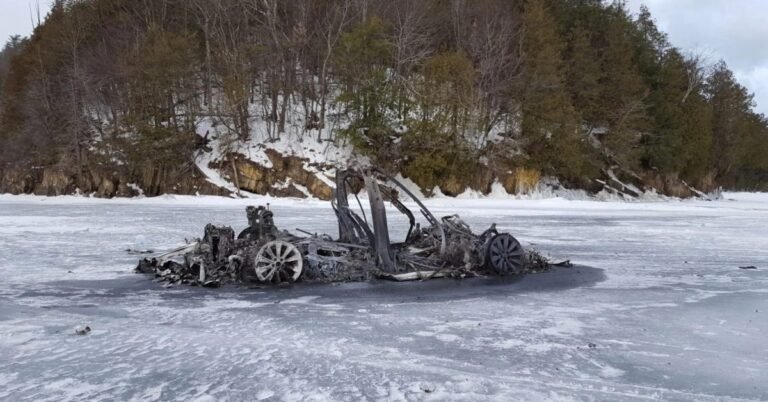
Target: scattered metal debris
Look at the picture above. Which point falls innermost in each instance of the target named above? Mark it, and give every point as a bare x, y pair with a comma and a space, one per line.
263, 254
134, 251
427, 388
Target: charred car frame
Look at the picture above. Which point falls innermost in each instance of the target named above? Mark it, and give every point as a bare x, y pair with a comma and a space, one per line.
263, 254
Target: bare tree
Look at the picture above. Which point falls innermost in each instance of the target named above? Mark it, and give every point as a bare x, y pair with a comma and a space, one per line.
413, 37
493, 39
695, 71
282, 32
72, 40
206, 13
229, 31
335, 20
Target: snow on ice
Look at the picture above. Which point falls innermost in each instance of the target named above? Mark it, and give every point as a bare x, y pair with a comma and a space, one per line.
655, 307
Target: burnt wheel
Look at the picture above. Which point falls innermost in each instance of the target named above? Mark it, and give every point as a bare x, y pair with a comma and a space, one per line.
278, 261
505, 255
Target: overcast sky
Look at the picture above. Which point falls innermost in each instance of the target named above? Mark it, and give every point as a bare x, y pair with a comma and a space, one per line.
734, 30
15, 16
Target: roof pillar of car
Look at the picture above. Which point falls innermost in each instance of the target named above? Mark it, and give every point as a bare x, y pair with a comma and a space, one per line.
380, 227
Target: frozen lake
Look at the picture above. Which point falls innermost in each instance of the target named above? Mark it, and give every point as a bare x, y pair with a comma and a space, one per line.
656, 307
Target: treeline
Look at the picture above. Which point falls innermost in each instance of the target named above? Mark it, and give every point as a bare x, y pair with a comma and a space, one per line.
436, 89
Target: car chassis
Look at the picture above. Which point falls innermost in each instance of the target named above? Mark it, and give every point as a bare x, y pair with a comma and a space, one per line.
262, 254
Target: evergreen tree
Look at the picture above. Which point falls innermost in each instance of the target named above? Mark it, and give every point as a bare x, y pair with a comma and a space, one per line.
650, 46
697, 139
584, 75
548, 128
623, 92
433, 146
162, 93
11, 49
730, 108
362, 63
664, 141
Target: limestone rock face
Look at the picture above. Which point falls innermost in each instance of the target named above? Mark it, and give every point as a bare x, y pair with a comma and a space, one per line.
18, 181
453, 186
55, 181
293, 176
287, 177
480, 181
520, 180
106, 181
670, 185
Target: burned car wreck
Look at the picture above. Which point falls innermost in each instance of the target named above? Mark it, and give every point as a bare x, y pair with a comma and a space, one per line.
263, 254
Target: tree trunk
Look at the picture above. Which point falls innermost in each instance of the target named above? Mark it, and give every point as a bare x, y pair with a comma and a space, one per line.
75, 118
207, 98
234, 174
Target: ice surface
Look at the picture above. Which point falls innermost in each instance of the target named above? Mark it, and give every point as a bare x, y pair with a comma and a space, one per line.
656, 308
